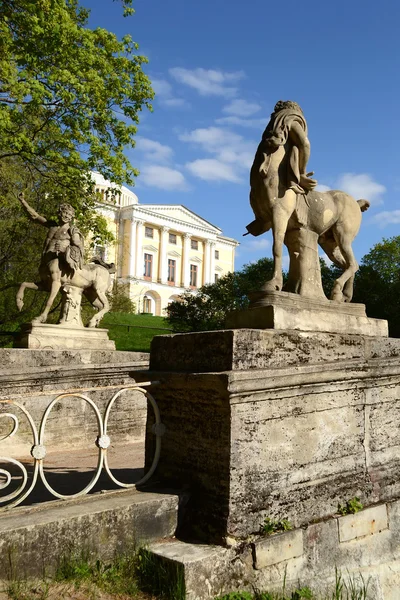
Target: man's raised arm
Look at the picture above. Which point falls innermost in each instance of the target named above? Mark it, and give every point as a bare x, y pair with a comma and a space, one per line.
33, 215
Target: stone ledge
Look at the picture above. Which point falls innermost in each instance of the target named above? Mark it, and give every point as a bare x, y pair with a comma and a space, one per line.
278, 548
367, 522
249, 349
60, 337
282, 318
101, 523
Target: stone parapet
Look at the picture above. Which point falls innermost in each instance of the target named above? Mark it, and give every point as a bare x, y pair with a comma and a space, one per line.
33, 378
299, 423
285, 311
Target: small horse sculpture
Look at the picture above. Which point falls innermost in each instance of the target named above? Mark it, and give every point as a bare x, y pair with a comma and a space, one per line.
62, 265
282, 198
93, 279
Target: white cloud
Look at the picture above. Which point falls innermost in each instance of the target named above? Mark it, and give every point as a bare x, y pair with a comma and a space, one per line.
387, 217
162, 177
232, 154
154, 151
211, 169
259, 243
241, 108
322, 188
163, 91
253, 123
362, 186
208, 82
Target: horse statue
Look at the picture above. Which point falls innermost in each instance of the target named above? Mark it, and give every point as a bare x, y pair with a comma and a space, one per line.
283, 199
62, 269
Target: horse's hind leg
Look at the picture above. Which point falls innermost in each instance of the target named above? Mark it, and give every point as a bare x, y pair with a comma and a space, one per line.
102, 303
343, 286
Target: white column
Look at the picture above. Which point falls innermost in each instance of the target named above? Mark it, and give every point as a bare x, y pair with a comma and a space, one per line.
139, 250
163, 255
185, 259
207, 262
132, 250
212, 262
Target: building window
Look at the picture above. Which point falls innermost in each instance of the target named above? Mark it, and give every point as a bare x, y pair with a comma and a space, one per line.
217, 254
194, 244
172, 238
148, 264
146, 304
171, 270
148, 232
216, 277
193, 275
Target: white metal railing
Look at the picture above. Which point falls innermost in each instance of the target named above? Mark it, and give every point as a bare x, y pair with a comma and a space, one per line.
38, 449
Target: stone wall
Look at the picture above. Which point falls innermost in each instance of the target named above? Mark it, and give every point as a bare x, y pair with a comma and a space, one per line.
34, 377
299, 423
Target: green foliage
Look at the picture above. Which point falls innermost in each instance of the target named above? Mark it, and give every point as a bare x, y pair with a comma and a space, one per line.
116, 577
134, 332
163, 579
65, 89
208, 309
351, 506
377, 283
70, 99
237, 596
119, 300
271, 526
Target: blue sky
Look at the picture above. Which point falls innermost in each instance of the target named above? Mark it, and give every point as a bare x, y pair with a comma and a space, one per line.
218, 67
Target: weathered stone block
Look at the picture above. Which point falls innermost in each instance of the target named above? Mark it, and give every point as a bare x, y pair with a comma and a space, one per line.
60, 337
277, 548
285, 430
367, 522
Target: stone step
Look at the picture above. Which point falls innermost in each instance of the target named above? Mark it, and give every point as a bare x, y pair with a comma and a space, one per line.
34, 538
200, 571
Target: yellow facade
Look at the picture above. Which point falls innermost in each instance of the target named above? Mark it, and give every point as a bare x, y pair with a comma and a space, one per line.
161, 250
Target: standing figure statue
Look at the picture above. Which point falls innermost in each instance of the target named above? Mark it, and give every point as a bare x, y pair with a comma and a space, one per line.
61, 266
283, 199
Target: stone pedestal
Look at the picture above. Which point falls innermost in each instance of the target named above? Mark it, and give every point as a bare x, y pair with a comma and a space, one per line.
287, 311
63, 337
275, 424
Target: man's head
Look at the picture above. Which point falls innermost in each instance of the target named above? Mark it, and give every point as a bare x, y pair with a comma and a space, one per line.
287, 104
66, 213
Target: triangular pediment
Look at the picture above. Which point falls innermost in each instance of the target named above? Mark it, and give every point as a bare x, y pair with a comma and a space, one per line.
180, 213
151, 248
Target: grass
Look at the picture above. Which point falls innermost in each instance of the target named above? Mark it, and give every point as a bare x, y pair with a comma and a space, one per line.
352, 588
142, 329
141, 575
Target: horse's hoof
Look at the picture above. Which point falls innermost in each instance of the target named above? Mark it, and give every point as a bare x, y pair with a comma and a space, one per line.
38, 320
272, 286
20, 305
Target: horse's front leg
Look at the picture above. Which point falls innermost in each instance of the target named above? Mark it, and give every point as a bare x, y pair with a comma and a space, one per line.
281, 214
20, 294
55, 288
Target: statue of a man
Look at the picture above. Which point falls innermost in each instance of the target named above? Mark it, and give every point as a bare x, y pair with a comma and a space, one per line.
63, 248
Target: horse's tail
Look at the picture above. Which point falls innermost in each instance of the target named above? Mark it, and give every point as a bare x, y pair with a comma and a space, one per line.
363, 204
109, 266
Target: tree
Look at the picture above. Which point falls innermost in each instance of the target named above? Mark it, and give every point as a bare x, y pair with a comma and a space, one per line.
70, 99
209, 307
69, 95
377, 283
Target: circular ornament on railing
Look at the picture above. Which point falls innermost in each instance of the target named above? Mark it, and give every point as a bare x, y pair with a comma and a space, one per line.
38, 451
103, 441
159, 429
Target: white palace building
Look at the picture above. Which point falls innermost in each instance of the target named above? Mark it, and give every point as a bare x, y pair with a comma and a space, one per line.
161, 250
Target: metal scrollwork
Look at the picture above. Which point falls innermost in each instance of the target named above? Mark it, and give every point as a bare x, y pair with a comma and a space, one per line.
38, 449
